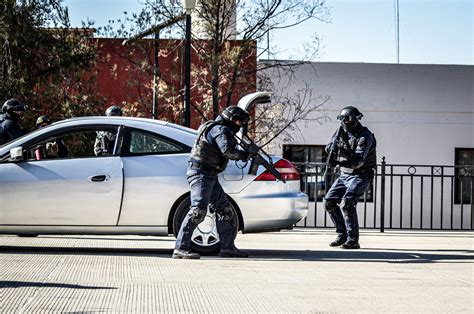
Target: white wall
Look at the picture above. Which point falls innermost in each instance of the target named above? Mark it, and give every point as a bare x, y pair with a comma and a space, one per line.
419, 113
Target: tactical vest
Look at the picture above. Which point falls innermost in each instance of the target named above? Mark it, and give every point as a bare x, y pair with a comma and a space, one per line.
206, 154
370, 162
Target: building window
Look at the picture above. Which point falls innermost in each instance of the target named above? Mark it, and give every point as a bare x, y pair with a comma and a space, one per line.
309, 159
304, 154
464, 175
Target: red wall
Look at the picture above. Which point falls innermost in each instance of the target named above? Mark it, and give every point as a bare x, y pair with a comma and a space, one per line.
125, 78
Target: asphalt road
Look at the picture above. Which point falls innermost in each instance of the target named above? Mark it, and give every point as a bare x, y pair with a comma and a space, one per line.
290, 271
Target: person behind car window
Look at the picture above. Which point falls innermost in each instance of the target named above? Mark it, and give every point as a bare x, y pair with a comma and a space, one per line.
356, 157
11, 114
105, 140
53, 149
214, 146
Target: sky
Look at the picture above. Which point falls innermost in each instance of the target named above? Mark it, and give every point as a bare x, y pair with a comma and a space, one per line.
430, 31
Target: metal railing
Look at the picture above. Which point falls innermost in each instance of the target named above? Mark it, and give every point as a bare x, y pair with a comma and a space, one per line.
427, 197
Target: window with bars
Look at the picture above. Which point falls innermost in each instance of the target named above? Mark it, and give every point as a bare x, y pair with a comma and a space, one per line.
310, 161
464, 175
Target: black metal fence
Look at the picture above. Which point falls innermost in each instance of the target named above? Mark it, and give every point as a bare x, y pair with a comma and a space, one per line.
428, 197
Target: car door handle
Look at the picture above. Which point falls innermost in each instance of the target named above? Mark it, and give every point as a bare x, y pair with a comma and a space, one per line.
98, 178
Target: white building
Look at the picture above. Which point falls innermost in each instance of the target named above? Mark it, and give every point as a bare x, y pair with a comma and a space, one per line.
420, 115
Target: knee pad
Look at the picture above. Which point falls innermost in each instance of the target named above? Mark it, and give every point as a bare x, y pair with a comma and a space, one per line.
225, 214
331, 205
349, 205
198, 215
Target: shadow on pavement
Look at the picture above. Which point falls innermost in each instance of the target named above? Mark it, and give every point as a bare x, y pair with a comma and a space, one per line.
20, 284
144, 239
423, 250
85, 250
421, 234
335, 255
369, 255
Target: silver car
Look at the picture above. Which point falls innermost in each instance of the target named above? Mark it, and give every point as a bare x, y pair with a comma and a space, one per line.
138, 186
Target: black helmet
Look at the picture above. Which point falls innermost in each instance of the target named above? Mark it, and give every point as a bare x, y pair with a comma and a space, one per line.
42, 121
113, 111
13, 105
349, 117
235, 117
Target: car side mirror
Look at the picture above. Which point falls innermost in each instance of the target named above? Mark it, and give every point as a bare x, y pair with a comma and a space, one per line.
16, 154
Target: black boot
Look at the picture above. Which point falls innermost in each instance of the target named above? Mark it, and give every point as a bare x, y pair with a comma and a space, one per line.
351, 245
340, 240
226, 235
233, 252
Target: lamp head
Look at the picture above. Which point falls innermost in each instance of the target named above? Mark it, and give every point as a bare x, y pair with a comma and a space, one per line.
188, 5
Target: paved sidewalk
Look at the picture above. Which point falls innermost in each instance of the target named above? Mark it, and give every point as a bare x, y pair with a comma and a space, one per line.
290, 271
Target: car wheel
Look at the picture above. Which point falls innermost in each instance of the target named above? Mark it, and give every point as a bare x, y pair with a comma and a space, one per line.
205, 238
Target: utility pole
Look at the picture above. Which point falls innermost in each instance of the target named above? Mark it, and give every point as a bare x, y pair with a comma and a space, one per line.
156, 31
188, 6
397, 29
155, 74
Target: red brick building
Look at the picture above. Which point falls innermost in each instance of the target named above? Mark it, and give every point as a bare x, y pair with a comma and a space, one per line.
125, 77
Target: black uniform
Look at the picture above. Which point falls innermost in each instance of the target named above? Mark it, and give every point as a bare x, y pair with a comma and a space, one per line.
213, 148
356, 157
9, 127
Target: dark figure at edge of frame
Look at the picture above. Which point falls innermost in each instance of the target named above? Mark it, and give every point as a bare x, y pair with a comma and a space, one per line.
12, 112
105, 140
214, 146
356, 157
53, 149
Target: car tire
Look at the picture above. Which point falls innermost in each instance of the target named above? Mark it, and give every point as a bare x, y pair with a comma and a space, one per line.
205, 239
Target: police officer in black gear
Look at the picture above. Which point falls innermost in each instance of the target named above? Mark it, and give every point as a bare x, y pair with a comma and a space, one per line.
12, 111
43, 121
356, 157
113, 111
105, 140
214, 146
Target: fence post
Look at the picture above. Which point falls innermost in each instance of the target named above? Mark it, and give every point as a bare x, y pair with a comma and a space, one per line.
382, 196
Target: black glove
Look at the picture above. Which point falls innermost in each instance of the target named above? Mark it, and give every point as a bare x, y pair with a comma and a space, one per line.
253, 150
345, 163
333, 162
245, 156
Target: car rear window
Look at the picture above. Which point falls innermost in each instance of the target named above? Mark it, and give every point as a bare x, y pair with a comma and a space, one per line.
141, 143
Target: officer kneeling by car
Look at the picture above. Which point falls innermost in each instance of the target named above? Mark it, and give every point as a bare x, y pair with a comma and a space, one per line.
214, 146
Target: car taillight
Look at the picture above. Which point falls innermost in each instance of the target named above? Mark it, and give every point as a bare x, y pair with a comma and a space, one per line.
287, 169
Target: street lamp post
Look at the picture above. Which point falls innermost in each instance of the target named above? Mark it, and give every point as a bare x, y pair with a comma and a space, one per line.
155, 75
156, 31
188, 5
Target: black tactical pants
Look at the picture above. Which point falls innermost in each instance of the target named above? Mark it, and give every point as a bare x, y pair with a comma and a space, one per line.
349, 188
206, 190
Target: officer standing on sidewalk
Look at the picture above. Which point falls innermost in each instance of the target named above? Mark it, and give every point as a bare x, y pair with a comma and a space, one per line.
214, 146
356, 157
